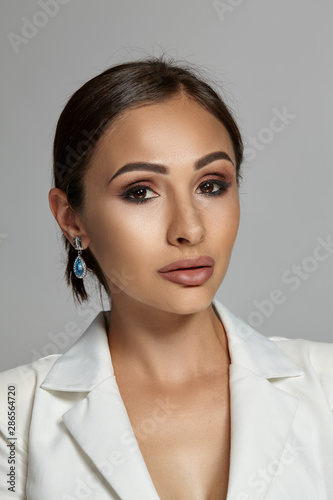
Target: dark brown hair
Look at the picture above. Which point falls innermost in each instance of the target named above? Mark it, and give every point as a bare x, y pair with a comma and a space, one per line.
93, 108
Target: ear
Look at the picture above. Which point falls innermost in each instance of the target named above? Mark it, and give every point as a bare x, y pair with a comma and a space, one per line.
68, 220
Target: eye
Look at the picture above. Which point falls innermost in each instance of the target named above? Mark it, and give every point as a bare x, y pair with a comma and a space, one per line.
137, 194
208, 187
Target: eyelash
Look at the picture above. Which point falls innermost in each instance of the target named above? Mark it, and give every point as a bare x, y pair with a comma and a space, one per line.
126, 195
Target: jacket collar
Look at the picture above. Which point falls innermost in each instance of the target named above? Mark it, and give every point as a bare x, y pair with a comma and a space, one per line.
88, 361
252, 350
261, 413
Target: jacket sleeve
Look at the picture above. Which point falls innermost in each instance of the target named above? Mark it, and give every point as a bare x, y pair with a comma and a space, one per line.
17, 392
321, 357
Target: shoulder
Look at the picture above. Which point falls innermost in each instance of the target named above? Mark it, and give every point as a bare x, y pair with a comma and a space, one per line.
315, 358
304, 352
27, 376
23, 381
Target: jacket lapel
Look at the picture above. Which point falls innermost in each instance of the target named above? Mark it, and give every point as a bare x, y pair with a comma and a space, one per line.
100, 425
261, 419
99, 422
261, 414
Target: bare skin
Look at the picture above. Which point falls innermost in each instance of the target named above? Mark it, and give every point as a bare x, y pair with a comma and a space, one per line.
183, 429
166, 342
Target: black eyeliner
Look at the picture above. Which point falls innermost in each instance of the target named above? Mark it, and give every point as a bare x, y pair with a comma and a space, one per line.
224, 185
132, 190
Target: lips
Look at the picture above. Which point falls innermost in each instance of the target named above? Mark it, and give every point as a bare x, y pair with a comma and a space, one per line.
189, 272
203, 261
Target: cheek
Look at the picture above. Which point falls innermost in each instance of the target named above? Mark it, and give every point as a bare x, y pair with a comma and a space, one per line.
123, 237
223, 221
226, 229
233, 219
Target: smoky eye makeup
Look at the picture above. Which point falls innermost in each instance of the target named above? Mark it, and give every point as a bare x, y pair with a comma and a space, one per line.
136, 194
222, 187
209, 187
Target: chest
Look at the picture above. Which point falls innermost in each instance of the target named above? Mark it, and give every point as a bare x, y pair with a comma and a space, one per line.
184, 438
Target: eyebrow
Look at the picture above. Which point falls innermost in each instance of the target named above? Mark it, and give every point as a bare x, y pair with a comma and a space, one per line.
162, 169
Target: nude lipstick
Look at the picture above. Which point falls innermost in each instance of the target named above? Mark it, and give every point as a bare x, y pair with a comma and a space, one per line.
189, 271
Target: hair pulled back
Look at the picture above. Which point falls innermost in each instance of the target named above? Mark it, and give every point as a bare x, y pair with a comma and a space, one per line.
91, 110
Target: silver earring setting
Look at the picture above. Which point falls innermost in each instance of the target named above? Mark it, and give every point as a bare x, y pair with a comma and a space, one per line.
79, 267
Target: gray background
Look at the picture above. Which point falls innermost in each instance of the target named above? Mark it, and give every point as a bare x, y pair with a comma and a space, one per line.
268, 55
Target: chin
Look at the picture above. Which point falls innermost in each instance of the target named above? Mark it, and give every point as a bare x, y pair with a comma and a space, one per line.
188, 303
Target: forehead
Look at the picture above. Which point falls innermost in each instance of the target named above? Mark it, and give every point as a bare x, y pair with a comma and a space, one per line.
177, 128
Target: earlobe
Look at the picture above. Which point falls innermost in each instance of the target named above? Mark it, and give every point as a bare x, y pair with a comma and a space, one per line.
67, 219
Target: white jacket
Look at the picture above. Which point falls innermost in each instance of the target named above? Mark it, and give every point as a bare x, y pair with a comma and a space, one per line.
75, 441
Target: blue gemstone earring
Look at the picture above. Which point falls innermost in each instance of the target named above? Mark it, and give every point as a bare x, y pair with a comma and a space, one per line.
79, 267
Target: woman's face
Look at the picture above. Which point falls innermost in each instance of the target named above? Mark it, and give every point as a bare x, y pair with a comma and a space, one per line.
148, 216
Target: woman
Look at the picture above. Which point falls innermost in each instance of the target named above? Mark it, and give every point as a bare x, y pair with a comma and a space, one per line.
167, 395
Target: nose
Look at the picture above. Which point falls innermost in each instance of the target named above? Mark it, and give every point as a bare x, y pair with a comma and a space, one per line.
186, 223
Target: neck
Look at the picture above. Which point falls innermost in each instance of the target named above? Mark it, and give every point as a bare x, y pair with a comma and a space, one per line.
167, 348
